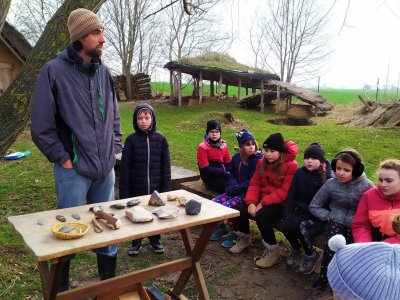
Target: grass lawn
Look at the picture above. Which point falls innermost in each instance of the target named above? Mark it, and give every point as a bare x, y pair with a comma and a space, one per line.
26, 185
334, 96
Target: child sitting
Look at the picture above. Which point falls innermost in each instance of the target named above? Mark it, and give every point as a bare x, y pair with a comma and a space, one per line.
373, 219
265, 196
242, 169
213, 157
336, 203
300, 226
145, 165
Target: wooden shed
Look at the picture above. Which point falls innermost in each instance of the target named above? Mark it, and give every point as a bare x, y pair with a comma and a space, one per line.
219, 68
14, 50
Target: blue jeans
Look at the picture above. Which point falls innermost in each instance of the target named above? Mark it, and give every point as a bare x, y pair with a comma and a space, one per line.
74, 189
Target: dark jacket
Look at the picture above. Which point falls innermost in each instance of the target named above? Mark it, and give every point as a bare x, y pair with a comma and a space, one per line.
75, 114
304, 186
145, 162
240, 174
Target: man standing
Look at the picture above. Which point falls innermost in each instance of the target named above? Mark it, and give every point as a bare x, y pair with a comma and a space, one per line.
76, 124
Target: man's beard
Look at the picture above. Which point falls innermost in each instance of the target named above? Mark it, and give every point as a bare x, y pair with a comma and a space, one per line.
93, 52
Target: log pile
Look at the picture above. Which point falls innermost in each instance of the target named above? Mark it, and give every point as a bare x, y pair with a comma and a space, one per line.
140, 86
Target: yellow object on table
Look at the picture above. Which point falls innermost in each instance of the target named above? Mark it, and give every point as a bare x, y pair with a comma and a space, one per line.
79, 230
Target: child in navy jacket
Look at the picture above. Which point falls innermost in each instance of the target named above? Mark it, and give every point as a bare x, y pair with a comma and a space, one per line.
300, 226
145, 165
241, 169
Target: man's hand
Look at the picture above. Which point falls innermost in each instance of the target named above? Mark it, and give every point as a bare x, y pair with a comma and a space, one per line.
67, 164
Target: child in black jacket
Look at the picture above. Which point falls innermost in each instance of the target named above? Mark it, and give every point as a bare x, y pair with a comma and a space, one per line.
145, 165
300, 225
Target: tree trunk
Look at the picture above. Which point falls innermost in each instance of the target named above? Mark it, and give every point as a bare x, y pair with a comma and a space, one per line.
4, 6
15, 107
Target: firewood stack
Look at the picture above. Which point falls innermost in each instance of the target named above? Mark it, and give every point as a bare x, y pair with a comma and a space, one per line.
140, 86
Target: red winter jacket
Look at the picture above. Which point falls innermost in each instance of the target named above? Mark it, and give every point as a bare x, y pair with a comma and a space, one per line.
207, 153
269, 188
375, 210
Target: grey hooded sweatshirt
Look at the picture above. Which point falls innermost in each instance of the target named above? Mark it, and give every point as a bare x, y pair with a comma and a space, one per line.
75, 114
338, 201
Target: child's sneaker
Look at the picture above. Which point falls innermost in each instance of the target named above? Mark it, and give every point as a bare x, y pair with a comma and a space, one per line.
134, 249
293, 258
219, 234
157, 246
230, 241
310, 262
242, 243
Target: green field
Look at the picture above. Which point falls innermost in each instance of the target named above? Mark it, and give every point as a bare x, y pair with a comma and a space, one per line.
27, 185
334, 96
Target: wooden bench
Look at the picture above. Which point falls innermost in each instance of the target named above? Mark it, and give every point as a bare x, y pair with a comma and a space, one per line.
198, 187
179, 175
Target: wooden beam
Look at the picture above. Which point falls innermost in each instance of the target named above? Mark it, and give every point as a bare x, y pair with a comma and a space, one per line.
226, 90
179, 89
240, 89
211, 88
262, 96
219, 86
200, 85
171, 85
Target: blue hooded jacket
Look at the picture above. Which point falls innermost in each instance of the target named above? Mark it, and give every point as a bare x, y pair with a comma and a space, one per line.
145, 162
75, 114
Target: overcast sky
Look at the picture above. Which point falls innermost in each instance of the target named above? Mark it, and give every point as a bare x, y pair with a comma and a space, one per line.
362, 51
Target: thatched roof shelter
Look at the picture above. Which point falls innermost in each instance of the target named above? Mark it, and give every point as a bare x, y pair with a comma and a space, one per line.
218, 67
214, 65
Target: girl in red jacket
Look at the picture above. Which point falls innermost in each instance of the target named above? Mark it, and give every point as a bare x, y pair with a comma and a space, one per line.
378, 206
213, 157
265, 196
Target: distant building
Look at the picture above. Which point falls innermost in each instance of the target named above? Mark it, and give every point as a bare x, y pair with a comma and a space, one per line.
14, 51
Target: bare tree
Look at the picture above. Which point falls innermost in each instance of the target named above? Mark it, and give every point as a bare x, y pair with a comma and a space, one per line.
15, 101
122, 21
4, 7
31, 16
295, 31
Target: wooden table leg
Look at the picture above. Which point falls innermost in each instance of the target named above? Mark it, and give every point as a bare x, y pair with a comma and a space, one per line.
51, 278
195, 252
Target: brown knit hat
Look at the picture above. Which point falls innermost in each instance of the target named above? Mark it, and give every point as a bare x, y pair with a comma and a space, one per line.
82, 22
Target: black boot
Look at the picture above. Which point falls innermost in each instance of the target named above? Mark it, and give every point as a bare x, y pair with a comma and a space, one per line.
106, 266
63, 284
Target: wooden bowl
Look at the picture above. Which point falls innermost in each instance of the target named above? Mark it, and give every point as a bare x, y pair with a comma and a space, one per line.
79, 230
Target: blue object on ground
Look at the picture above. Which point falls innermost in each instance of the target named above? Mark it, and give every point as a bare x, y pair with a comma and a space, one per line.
230, 241
16, 155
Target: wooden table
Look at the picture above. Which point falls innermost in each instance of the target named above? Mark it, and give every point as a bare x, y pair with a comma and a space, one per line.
47, 248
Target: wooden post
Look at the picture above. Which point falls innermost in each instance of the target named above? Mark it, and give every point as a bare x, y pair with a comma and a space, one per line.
247, 91
211, 88
219, 86
226, 90
200, 85
197, 86
179, 89
262, 96
171, 85
240, 89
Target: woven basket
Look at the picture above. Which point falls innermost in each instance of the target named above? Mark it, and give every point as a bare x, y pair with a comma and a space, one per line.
80, 230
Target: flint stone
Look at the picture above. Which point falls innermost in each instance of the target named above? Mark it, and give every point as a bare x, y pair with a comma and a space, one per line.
156, 200
193, 207
166, 212
138, 214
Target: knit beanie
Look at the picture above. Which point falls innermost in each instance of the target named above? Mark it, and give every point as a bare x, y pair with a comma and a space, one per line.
243, 136
82, 22
213, 124
314, 151
364, 270
275, 142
